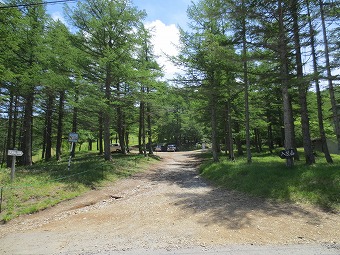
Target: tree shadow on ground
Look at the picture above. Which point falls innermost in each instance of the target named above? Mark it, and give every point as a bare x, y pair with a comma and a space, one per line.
232, 209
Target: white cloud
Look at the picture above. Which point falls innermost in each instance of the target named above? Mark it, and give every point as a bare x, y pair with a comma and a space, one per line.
58, 16
165, 39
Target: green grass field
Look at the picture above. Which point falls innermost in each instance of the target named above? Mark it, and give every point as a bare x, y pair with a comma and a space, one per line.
268, 177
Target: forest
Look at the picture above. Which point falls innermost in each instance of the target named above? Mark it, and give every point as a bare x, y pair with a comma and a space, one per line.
258, 75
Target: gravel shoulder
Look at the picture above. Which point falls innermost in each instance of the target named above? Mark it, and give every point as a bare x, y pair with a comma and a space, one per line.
169, 208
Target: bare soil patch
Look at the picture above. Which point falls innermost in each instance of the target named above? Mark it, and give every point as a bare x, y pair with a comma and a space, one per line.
167, 207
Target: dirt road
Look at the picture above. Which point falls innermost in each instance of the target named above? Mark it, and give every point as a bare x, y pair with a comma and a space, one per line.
169, 209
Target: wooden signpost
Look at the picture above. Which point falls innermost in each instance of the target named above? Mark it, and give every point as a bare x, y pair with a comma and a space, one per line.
14, 153
72, 138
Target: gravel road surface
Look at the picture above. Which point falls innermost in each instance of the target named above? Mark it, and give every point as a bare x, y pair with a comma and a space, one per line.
170, 209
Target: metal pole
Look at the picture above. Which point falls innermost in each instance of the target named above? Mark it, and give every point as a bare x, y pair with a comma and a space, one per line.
1, 198
13, 168
69, 161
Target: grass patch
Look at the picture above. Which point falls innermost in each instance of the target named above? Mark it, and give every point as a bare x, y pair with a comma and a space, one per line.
268, 177
48, 183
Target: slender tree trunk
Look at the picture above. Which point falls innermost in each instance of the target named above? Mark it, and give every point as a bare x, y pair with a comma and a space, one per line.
44, 140
100, 135
75, 122
148, 109
336, 116
26, 142
287, 113
120, 127
238, 140
270, 137
48, 135
106, 114
230, 132
307, 143
246, 84
140, 131
214, 132
9, 129
143, 130
60, 125
213, 109
317, 88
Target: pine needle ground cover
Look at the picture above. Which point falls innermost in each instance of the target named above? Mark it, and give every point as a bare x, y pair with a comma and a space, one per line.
268, 177
48, 183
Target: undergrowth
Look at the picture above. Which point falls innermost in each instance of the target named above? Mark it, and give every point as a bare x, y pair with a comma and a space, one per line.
268, 177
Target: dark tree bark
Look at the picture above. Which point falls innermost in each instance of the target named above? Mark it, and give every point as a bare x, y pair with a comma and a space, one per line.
148, 109
140, 131
121, 129
100, 135
26, 142
48, 128
287, 113
336, 116
230, 132
106, 113
10, 137
246, 84
60, 124
75, 121
302, 87
317, 88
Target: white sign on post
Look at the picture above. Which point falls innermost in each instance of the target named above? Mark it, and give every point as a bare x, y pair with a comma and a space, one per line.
15, 153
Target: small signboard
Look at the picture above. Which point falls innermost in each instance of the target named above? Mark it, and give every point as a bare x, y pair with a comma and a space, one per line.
15, 153
73, 137
287, 153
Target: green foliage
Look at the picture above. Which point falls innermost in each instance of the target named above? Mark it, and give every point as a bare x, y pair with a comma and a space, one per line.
268, 177
46, 184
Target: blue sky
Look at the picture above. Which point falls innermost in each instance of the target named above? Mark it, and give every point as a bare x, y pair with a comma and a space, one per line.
164, 17
167, 11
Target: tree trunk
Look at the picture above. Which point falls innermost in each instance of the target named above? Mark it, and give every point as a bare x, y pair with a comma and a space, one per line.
48, 129
270, 138
140, 131
26, 142
60, 125
230, 132
246, 85
303, 87
106, 114
214, 131
121, 130
75, 121
100, 135
287, 113
148, 109
336, 116
9, 129
317, 88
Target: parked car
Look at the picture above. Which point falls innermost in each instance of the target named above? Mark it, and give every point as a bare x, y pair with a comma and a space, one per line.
158, 148
171, 147
115, 147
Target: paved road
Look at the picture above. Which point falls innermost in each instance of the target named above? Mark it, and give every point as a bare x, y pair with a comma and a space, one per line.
242, 250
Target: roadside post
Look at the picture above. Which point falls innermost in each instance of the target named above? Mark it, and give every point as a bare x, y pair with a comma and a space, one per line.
1, 190
14, 153
72, 138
